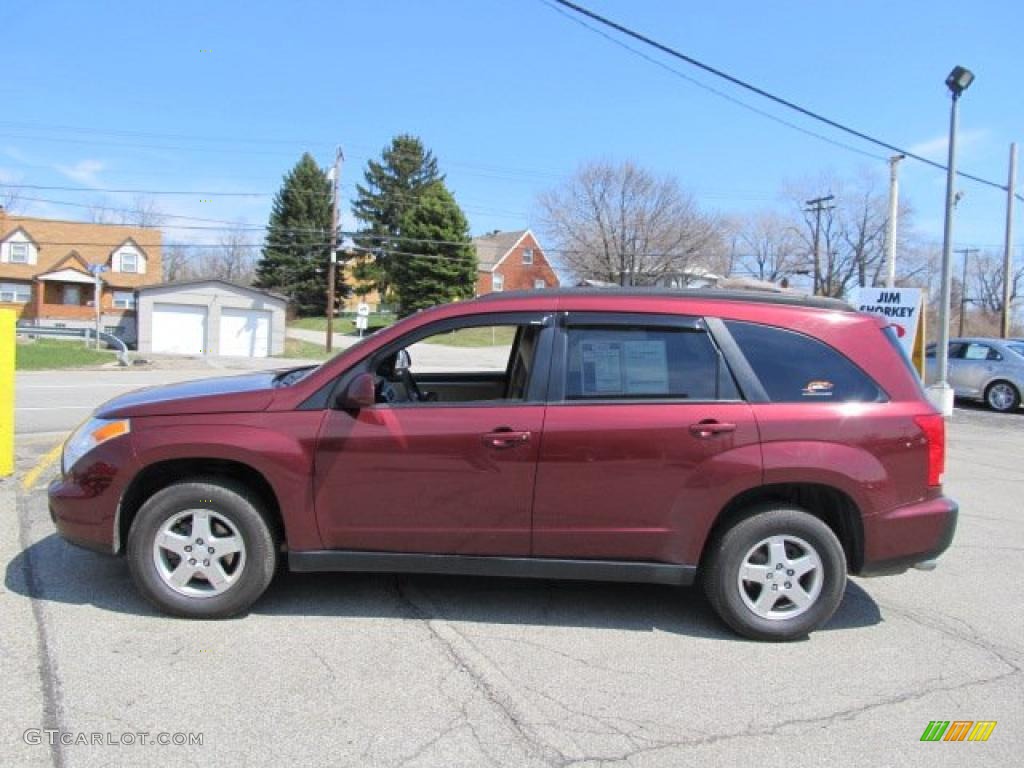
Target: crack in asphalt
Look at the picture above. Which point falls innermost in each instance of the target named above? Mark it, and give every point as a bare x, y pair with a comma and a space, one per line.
49, 676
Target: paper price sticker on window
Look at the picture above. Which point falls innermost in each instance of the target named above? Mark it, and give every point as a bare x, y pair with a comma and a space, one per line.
901, 307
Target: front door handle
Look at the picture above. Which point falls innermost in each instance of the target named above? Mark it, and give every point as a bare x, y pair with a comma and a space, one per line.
504, 437
710, 428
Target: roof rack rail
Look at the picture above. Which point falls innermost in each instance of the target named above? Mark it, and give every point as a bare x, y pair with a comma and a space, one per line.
716, 294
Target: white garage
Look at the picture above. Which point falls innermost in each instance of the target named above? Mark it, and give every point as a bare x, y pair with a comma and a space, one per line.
210, 317
245, 332
179, 329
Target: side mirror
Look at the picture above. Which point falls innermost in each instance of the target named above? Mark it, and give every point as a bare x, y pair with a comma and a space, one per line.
360, 393
403, 360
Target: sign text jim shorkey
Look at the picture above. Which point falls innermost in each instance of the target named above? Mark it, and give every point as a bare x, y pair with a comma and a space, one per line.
890, 305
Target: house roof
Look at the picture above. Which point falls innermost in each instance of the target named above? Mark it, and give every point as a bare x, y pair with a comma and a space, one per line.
55, 240
204, 280
490, 249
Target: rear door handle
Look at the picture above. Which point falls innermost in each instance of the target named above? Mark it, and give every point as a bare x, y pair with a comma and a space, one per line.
503, 437
710, 428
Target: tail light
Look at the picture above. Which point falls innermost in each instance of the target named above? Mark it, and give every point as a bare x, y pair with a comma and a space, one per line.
934, 428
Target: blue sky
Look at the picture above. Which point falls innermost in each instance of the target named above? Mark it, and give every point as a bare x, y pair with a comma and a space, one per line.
510, 95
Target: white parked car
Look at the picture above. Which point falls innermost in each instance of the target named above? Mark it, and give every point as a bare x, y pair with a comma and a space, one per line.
990, 370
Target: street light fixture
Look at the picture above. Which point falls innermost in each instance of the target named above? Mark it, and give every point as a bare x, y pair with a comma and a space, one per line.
941, 393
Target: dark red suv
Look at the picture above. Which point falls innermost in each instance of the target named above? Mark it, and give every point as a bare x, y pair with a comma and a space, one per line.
767, 444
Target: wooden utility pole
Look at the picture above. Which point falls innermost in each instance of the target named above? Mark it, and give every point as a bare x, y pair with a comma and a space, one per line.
818, 207
335, 177
1011, 193
963, 287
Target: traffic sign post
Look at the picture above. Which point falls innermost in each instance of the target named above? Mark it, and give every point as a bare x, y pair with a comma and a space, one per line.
362, 317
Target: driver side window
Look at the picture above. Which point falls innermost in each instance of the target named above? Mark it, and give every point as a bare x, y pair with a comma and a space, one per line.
467, 364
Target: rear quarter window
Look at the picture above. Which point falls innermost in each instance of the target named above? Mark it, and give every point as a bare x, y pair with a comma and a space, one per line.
795, 368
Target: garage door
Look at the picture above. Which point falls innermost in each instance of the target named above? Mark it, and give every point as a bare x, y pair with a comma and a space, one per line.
179, 329
245, 332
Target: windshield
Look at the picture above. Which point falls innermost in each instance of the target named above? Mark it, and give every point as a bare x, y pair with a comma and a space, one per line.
1017, 349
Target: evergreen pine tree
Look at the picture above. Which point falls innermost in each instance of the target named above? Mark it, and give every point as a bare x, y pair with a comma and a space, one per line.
392, 187
296, 252
442, 270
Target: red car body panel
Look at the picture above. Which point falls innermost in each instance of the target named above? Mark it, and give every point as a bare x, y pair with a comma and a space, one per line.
634, 483
424, 480
623, 481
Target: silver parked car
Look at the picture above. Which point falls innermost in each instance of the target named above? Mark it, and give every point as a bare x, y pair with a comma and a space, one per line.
991, 370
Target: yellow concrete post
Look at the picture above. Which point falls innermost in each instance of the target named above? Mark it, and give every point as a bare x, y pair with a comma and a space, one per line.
6, 392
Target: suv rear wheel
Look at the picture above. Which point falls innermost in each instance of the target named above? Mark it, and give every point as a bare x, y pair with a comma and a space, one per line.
202, 549
776, 574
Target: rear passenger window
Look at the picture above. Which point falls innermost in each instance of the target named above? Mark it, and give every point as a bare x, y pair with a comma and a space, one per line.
658, 362
794, 368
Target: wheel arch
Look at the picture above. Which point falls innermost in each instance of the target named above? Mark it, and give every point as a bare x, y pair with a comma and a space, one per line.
829, 504
159, 475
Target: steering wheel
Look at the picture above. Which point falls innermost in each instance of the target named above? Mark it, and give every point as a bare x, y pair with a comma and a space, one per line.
411, 387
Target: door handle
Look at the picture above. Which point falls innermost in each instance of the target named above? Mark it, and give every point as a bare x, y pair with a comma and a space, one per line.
710, 428
503, 437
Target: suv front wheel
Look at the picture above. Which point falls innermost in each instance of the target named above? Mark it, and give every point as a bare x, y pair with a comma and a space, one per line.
777, 574
202, 549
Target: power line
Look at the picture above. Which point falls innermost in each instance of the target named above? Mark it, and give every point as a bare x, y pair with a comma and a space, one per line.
763, 93
19, 185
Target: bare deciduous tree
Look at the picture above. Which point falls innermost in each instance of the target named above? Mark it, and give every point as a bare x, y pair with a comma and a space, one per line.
233, 260
141, 212
770, 246
178, 262
620, 223
851, 233
10, 199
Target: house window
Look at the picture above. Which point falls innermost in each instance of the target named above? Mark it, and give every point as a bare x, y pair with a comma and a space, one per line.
129, 261
71, 295
497, 282
19, 253
15, 293
527, 255
124, 299
539, 284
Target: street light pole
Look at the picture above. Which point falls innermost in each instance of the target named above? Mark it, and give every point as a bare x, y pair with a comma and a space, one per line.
940, 392
1011, 193
890, 229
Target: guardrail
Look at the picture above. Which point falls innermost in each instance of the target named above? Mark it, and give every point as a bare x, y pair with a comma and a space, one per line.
78, 333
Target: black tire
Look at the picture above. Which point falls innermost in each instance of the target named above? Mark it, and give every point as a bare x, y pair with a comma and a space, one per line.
229, 502
1002, 406
729, 551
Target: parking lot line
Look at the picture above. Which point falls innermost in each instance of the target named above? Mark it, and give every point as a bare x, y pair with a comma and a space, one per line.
44, 463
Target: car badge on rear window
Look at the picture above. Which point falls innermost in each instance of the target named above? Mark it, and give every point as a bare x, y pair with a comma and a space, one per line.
817, 389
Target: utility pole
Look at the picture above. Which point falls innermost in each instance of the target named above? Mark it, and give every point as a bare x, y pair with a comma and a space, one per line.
335, 177
817, 207
1011, 191
890, 229
963, 286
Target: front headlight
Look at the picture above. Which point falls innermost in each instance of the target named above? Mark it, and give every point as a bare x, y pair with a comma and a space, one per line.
92, 433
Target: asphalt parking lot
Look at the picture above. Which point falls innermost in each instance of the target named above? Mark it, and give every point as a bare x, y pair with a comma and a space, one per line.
374, 670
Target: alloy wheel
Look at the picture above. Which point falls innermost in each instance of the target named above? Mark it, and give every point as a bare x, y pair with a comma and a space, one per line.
780, 577
199, 553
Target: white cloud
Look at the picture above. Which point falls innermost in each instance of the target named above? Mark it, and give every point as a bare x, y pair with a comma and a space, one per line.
938, 147
84, 172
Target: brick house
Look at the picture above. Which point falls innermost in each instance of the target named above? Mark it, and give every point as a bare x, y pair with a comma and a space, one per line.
512, 261
45, 271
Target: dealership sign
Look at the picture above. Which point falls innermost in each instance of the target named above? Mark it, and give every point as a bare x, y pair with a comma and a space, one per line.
901, 307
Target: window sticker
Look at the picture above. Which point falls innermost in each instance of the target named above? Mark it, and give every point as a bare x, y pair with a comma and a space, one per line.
817, 388
646, 367
602, 367
624, 367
